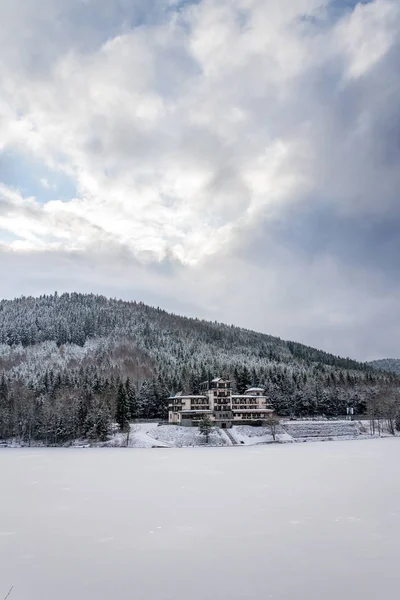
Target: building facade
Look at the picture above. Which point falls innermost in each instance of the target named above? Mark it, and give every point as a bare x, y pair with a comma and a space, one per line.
217, 401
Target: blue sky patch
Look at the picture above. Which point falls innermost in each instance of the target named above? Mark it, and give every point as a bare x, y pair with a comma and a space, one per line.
6, 237
33, 178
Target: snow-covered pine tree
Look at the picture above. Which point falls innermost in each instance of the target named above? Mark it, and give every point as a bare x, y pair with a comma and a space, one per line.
131, 399
122, 415
206, 426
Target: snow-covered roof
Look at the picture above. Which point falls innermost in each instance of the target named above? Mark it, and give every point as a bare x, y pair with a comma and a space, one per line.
214, 380
200, 410
193, 396
250, 396
253, 410
255, 389
186, 396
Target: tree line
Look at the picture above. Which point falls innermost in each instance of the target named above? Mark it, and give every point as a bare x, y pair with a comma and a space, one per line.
71, 366
63, 407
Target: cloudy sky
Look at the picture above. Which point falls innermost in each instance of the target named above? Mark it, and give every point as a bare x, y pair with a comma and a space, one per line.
236, 160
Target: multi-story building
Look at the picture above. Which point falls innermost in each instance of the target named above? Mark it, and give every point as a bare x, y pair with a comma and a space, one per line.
222, 406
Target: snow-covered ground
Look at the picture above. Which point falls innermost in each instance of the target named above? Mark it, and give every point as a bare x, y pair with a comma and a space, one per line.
147, 435
307, 521
301, 430
153, 435
150, 435
141, 436
249, 436
175, 435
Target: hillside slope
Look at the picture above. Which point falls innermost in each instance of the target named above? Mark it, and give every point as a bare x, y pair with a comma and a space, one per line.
74, 319
391, 365
71, 361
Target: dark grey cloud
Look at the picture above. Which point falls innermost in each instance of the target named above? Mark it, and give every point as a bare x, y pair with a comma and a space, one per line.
315, 229
333, 252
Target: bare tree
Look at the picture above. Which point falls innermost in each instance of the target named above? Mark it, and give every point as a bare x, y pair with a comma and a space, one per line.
272, 422
383, 404
390, 407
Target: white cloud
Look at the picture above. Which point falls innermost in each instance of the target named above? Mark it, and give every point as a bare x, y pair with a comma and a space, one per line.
367, 34
46, 184
158, 118
186, 133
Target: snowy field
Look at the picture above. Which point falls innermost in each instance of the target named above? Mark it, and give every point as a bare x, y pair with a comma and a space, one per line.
145, 435
153, 435
250, 436
182, 437
302, 430
307, 521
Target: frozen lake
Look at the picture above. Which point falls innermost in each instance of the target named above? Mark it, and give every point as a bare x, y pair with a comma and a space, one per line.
314, 521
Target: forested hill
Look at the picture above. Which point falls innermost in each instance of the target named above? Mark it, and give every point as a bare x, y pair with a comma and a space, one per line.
77, 318
387, 364
71, 356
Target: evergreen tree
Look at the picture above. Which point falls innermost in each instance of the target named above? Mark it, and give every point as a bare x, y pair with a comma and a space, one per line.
397, 421
98, 421
122, 413
206, 426
131, 399
244, 379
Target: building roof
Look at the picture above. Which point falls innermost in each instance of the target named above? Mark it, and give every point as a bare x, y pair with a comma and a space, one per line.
255, 389
199, 410
247, 396
214, 380
186, 396
253, 410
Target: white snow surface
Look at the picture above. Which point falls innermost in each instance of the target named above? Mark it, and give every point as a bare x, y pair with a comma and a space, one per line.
141, 436
150, 435
181, 437
250, 436
153, 435
307, 521
310, 429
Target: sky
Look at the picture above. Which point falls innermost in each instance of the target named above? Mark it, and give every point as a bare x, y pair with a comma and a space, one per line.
234, 160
